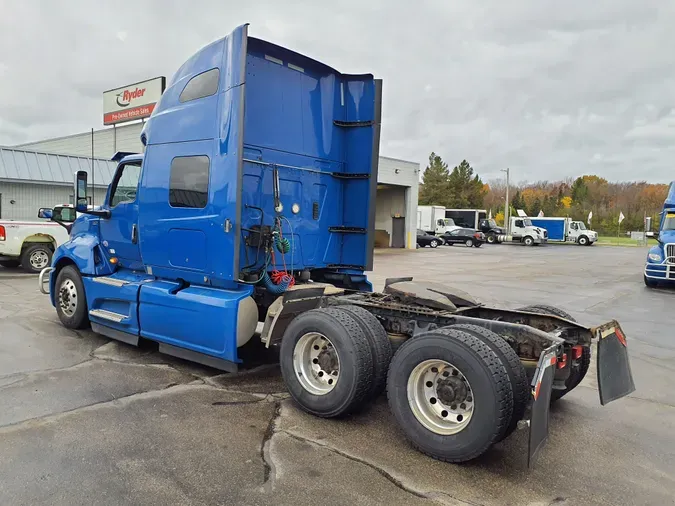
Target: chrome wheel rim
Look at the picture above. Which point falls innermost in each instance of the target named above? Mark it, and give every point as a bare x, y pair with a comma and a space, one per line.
440, 397
68, 297
316, 363
39, 259
469, 243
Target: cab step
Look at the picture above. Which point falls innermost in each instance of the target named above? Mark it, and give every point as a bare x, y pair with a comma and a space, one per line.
107, 315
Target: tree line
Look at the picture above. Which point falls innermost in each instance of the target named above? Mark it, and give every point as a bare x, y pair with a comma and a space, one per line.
572, 197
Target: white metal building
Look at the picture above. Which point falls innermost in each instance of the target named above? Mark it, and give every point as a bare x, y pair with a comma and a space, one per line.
398, 181
30, 180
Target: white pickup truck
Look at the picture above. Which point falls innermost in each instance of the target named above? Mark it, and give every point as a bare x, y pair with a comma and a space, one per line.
31, 244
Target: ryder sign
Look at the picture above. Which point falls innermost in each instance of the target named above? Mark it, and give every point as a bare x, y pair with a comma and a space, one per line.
131, 102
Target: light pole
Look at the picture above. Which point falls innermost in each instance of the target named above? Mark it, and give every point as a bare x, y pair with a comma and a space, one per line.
506, 206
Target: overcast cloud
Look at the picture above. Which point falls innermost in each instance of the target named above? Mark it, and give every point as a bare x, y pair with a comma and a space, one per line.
550, 89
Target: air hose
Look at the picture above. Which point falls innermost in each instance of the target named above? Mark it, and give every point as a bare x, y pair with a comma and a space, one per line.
283, 285
283, 245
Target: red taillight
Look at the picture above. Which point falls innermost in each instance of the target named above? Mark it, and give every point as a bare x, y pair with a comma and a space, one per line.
477, 235
2, 233
563, 361
577, 351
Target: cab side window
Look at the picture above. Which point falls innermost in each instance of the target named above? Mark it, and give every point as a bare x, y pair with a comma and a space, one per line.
519, 223
189, 183
126, 184
200, 86
573, 226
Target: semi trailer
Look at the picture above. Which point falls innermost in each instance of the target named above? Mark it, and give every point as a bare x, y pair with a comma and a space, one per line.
660, 262
254, 203
561, 229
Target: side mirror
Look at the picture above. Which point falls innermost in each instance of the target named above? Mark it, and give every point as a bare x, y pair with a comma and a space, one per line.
80, 191
45, 213
64, 214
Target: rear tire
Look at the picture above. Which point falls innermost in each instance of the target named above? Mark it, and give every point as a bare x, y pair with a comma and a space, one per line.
549, 310
576, 375
425, 411
341, 347
10, 264
71, 299
514, 368
380, 346
468, 243
36, 257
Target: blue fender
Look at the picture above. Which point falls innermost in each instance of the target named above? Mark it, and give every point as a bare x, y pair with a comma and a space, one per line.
83, 251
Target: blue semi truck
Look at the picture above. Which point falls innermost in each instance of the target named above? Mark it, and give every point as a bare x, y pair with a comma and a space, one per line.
249, 222
660, 263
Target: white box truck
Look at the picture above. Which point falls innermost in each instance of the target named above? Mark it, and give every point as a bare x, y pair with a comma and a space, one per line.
432, 220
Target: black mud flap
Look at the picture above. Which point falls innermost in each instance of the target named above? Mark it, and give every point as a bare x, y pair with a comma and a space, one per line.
615, 379
542, 385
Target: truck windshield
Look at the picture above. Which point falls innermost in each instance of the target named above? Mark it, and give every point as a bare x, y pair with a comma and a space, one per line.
581, 225
492, 223
449, 222
527, 223
669, 222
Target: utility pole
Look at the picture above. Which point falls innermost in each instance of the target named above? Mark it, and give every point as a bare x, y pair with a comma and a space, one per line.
507, 207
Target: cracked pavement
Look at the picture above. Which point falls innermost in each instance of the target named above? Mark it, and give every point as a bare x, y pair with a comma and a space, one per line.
90, 421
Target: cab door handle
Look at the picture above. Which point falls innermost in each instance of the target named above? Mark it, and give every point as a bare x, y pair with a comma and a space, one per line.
134, 233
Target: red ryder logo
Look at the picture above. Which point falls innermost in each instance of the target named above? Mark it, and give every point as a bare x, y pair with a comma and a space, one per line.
124, 98
133, 101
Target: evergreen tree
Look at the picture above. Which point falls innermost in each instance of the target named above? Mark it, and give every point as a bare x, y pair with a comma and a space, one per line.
435, 187
579, 191
466, 189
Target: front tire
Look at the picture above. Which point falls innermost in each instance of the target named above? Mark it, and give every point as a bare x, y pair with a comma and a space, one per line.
583, 241
434, 243
326, 362
528, 241
431, 386
36, 257
491, 239
71, 300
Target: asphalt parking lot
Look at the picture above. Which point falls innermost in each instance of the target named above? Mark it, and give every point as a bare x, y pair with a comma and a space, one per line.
88, 421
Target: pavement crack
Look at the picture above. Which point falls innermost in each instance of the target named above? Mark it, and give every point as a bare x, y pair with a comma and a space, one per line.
30, 374
433, 495
265, 456
120, 401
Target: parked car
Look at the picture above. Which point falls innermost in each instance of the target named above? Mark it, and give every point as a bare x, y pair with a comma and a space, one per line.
426, 239
465, 236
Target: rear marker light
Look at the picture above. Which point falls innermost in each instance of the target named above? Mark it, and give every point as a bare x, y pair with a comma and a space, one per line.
2, 233
620, 336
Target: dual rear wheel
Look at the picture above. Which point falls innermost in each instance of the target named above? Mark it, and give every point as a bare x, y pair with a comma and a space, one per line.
453, 391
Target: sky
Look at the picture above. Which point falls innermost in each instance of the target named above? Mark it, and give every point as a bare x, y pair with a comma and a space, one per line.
549, 89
